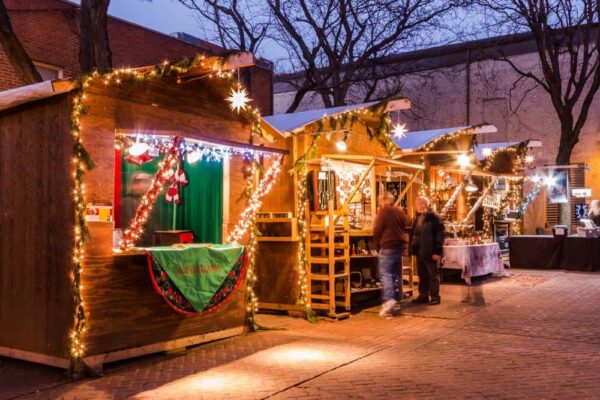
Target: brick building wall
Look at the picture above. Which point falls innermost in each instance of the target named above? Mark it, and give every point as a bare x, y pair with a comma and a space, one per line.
441, 97
49, 31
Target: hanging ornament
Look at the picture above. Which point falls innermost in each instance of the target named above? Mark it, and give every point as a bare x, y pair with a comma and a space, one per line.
400, 131
139, 159
177, 179
238, 100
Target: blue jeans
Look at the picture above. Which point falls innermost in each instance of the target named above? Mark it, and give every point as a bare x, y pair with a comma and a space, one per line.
390, 265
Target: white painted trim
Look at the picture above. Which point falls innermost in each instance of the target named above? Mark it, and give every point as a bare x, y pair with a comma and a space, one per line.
226, 197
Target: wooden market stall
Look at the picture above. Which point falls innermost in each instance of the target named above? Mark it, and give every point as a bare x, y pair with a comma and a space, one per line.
472, 186
72, 287
341, 164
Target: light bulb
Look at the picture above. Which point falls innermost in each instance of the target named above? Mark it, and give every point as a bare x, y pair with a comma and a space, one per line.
341, 145
486, 151
471, 187
549, 181
400, 131
138, 148
194, 156
464, 161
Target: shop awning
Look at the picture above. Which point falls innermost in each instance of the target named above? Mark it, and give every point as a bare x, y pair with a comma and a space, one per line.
417, 139
288, 124
501, 145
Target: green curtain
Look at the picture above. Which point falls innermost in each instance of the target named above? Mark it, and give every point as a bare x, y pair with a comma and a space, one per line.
201, 207
135, 181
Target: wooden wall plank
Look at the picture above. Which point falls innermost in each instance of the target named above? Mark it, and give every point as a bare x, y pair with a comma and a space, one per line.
123, 308
36, 226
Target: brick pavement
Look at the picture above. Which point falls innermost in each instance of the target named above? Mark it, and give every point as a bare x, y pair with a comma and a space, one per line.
532, 335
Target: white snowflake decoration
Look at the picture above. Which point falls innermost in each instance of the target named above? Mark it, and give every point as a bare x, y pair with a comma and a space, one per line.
238, 100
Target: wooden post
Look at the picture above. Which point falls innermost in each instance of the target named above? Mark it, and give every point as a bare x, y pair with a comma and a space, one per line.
480, 200
408, 186
331, 256
373, 194
357, 186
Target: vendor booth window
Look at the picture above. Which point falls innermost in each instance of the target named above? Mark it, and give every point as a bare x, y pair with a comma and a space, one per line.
191, 201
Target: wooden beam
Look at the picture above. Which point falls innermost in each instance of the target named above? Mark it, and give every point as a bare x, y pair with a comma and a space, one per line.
364, 159
479, 200
424, 153
408, 185
96, 361
356, 187
215, 141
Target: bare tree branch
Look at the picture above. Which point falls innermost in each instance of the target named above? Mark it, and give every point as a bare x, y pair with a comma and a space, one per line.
567, 39
14, 50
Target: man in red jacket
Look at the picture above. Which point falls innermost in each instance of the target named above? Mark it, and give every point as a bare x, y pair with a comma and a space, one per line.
390, 233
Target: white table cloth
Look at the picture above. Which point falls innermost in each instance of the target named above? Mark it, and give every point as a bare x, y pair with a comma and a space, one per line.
474, 260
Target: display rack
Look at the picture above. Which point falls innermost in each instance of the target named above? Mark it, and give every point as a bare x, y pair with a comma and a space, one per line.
328, 253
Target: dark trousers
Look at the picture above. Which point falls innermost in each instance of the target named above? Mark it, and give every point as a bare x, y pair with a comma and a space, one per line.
429, 279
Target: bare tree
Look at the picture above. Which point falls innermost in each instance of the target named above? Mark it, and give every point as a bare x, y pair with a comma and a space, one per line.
240, 25
567, 40
335, 41
94, 52
14, 50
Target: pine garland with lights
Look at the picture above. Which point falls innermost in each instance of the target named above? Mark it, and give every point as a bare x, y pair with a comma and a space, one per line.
247, 223
81, 161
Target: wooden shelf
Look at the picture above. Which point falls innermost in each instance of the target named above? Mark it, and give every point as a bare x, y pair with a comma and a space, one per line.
364, 290
277, 239
269, 220
364, 256
360, 233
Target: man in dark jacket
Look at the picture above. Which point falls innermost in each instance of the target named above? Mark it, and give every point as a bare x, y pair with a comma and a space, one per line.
427, 244
391, 234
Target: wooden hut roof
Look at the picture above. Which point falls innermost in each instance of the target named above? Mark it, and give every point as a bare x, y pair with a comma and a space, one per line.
39, 91
291, 123
418, 139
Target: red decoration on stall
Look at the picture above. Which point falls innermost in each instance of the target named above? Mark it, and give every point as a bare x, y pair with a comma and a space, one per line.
177, 180
134, 232
139, 160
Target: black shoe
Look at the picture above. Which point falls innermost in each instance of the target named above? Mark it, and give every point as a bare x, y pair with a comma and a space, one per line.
434, 302
420, 300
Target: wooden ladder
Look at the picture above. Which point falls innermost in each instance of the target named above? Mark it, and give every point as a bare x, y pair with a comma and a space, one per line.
328, 256
408, 273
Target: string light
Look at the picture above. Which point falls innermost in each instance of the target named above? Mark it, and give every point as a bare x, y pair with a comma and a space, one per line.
529, 159
341, 144
80, 157
255, 202
248, 220
81, 161
138, 148
463, 160
135, 230
193, 150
